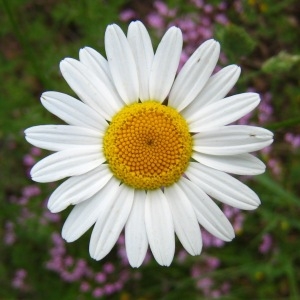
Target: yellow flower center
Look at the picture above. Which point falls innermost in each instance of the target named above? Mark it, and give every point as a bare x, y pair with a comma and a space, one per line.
148, 145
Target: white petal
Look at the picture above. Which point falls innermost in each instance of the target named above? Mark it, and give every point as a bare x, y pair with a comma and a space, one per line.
165, 64
62, 137
159, 226
208, 213
240, 164
85, 214
231, 140
141, 46
73, 111
185, 220
222, 187
89, 88
79, 188
223, 112
216, 88
194, 75
95, 62
121, 64
66, 163
136, 240
110, 222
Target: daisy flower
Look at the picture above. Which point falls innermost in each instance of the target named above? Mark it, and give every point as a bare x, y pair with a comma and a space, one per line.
145, 149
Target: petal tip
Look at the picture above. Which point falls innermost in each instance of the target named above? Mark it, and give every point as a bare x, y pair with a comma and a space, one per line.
174, 30
82, 52
135, 264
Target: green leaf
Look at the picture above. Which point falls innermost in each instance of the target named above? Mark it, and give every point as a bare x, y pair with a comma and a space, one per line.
281, 63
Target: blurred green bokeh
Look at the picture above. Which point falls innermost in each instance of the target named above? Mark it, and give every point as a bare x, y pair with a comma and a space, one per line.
262, 36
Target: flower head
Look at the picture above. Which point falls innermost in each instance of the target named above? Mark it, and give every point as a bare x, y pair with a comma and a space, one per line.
145, 149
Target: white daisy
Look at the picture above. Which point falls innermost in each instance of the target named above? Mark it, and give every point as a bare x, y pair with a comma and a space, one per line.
145, 150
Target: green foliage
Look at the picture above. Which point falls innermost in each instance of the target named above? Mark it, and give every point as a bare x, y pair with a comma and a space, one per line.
261, 36
281, 63
235, 41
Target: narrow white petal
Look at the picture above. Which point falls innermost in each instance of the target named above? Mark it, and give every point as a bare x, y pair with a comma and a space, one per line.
222, 186
239, 164
208, 213
231, 140
194, 75
79, 188
73, 111
185, 220
95, 62
66, 163
111, 221
136, 240
216, 88
141, 46
121, 64
89, 88
159, 227
85, 214
62, 137
165, 64
223, 112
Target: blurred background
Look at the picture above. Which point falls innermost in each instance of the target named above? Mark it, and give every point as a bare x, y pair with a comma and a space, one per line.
262, 262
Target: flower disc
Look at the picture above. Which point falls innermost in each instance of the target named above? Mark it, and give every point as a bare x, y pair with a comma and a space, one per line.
148, 145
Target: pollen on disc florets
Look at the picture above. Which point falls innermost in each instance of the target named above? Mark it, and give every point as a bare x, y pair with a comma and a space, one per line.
148, 145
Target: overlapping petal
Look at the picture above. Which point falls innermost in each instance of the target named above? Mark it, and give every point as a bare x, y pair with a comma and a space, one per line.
95, 62
111, 220
61, 137
121, 64
141, 46
222, 186
89, 88
185, 220
165, 64
231, 140
79, 188
194, 75
159, 227
240, 164
85, 214
73, 111
66, 163
208, 213
223, 112
216, 88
